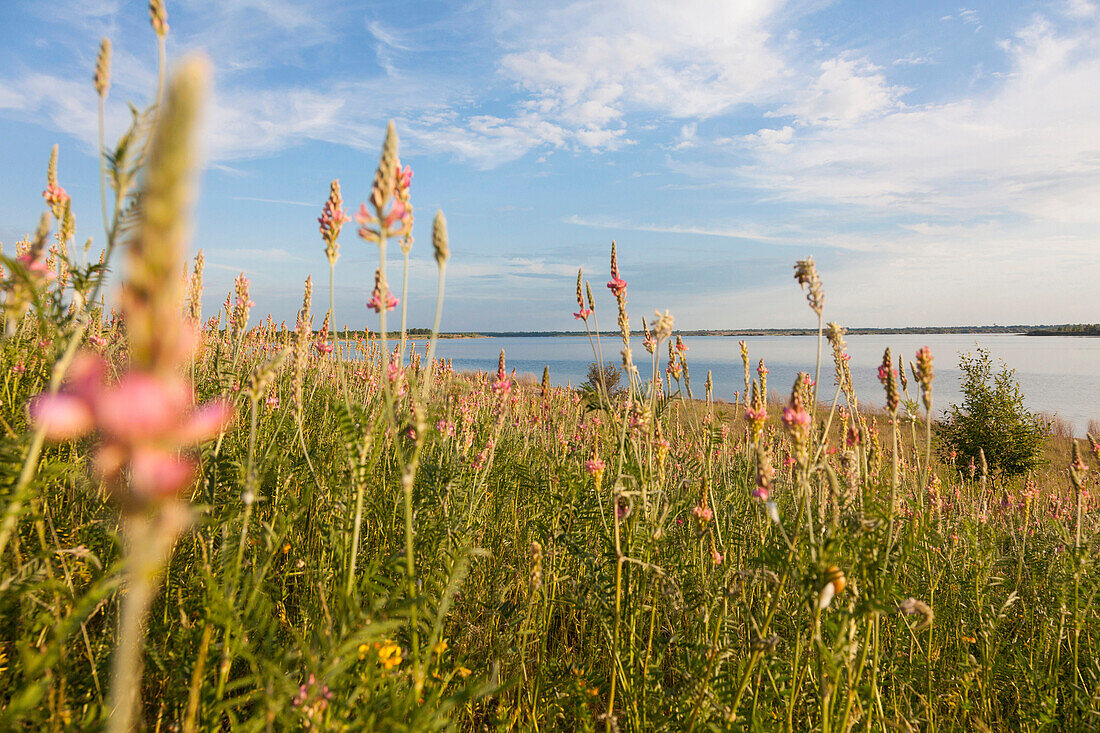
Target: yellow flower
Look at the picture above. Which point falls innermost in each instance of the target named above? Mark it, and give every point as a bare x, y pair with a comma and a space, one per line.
440, 648
463, 672
389, 654
364, 649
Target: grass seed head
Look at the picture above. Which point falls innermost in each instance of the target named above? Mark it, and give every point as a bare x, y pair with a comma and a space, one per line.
441, 247
102, 76
805, 272
153, 291
158, 17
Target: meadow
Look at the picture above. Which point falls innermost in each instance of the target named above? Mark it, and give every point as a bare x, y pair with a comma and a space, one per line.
215, 522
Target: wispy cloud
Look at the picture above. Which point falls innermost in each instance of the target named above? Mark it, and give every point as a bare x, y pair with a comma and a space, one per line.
1031, 148
727, 232
310, 204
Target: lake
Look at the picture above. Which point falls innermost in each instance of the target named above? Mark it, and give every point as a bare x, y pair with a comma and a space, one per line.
1058, 374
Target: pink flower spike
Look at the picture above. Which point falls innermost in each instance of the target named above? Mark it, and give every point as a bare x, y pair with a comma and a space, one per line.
157, 472
375, 302
85, 375
397, 212
62, 416
205, 422
793, 417
139, 407
363, 216
404, 177
617, 286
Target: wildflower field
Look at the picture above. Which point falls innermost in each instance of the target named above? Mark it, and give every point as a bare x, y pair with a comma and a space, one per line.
214, 522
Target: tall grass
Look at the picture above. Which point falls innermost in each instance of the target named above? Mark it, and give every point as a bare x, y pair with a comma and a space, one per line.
379, 543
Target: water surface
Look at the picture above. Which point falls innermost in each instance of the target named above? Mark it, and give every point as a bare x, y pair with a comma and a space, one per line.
1058, 374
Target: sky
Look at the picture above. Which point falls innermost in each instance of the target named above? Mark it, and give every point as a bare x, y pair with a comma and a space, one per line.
940, 162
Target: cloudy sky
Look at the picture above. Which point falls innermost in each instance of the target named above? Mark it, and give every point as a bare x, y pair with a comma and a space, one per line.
941, 162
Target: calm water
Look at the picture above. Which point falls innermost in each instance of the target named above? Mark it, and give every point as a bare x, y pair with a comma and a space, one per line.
1059, 375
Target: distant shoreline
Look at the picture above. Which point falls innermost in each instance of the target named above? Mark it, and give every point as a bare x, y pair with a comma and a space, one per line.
1017, 330
1007, 330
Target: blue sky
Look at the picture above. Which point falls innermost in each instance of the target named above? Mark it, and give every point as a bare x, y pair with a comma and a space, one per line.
941, 162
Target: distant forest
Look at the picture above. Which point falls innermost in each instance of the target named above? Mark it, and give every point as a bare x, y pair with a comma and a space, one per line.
1067, 329
1071, 329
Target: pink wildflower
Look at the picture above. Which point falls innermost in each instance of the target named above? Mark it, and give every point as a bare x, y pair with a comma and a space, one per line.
332, 218
617, 286
756, 415
55, 196
377, 302
143, 421
703, 513
795, 417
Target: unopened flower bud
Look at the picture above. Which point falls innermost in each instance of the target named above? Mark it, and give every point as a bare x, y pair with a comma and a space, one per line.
439, 240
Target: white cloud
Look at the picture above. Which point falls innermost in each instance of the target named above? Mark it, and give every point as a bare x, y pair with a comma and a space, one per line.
1080, 8
777, 141
846, 90
587, 65
914, 59
1030, 147
688, 137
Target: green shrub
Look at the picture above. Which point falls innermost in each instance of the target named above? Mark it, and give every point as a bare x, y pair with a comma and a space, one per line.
993, 419
606, 377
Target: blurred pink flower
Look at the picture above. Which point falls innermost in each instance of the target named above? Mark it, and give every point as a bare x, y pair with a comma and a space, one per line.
143, 422
702, 513
375, 302
795, 417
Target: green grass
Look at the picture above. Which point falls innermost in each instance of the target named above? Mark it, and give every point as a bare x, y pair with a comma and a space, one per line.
380, 544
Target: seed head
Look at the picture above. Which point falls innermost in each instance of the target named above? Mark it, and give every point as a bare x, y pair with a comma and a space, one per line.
439, 240
303, 333
194, 291
923, 374
384, 179
662, 329
535, 579
1078, 469
332, 218
102, 76
888, 377
152, 296
158, 17
912, 606
805, 272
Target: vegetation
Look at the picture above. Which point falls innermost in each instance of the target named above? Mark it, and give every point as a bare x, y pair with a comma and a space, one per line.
992, 424
603, 379
1072, 329
225, 526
